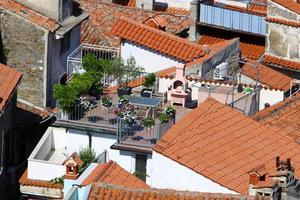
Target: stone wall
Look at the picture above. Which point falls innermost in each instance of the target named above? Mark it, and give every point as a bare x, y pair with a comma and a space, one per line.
24, 49
276, 10
229, 54
283, 41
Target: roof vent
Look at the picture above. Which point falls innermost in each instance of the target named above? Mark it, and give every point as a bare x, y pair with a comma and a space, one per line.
220, 72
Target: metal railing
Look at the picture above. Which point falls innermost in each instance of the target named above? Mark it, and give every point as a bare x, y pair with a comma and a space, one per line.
247, 104
138, 135
74, 60
96, 115
231, 19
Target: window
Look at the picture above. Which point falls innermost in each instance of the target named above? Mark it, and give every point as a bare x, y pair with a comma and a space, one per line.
65, 44
140, 166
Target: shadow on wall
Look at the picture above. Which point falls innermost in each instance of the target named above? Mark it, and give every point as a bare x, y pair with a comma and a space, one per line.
3, 51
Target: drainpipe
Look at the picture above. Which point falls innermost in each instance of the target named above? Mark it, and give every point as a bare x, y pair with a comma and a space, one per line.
194, 17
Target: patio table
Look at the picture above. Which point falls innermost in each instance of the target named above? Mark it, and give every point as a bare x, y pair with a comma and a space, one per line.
148, 102
144, 101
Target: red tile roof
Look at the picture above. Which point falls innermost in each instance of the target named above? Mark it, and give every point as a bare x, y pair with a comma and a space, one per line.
157, 40
260, 10
171, 10
267, 76
102, 16
30, 15
112, 173
222, 144
9, 79
249, 50
283, 22
289, 4
110, 192
37, 183
284, 115
76, 159
280, 62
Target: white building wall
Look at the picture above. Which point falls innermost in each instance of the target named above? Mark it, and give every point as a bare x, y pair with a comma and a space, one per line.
39, 170
151, 60
167, 173
270, 96
76, 139
100, 142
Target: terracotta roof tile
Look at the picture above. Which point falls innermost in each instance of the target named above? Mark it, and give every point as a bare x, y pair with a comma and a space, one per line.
289, 4
112, 173
280, 62
37, 183
251, 9
249, 50
102, 16
284, 115
30, 15
267, 76
76, 158
9, 79
171, 10
222, 138
165, 42
110, 192
283, 22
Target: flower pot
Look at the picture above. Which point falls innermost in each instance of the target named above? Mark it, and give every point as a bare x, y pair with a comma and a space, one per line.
124, 91
147, 92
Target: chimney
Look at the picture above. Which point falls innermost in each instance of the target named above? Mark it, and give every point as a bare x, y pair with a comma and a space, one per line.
59, 10
267, 105
254, 178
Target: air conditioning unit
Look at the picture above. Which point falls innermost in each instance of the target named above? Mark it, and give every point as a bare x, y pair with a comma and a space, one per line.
221, 71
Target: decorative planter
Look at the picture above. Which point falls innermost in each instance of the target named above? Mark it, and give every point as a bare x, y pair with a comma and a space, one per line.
147, 92
124, 91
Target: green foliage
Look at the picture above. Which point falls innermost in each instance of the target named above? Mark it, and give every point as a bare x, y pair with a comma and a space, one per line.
106, 101
164, 118
126, 71
149, 122
123, 100
66, 97
57, 180
170, 111
87, 155
141, 175
149, 80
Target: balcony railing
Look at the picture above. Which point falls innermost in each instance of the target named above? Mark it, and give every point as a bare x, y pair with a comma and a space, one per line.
97, 115
232, 19
138, 135
74, 62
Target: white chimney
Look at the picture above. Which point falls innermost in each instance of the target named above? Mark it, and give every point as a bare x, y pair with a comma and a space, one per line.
58, 10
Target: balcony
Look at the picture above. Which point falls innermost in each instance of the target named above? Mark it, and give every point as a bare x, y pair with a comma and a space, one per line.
233, 20
134, 135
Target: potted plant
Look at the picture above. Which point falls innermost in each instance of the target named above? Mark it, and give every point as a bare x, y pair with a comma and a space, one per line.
164, 118
106, 102
129, 117
149, 122
148, 83
123, 100
170, 111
